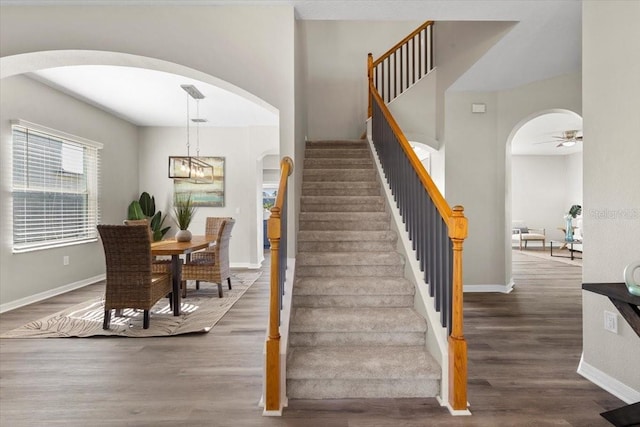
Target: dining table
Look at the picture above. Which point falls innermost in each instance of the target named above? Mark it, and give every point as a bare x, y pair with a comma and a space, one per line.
175, 249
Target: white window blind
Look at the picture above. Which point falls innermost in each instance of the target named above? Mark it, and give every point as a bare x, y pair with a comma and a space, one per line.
55, 188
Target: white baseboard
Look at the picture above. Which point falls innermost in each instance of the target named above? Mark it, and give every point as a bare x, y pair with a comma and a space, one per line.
608, 383
50, 293
504, 289
247, 265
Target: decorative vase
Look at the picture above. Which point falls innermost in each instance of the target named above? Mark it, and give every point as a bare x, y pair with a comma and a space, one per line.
568, 235
183, 236
632, 285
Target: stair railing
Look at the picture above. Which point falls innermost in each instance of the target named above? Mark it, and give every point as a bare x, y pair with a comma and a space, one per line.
402, 65
436, 230
277, 233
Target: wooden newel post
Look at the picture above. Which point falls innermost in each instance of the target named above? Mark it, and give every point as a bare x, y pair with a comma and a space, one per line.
457, 343
369, 83
272, 388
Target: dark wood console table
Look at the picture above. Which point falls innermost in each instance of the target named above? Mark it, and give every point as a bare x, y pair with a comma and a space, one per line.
626, 303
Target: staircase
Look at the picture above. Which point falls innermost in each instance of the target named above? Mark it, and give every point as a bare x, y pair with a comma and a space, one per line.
353, 330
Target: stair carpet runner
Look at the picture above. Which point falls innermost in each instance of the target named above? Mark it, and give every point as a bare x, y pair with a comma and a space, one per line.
353, 331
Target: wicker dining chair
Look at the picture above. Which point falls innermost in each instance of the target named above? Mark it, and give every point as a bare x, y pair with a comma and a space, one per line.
130, 281
158, 265
212, 266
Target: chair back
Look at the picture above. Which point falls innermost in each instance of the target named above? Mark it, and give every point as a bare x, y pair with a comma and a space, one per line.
222, 247
143, 221
127, 252
213, 227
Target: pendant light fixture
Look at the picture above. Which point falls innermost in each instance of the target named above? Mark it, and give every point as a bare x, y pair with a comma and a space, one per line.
188, 168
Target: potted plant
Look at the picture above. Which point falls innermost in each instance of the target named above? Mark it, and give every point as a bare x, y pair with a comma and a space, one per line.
574, 211
145, 207
183, 210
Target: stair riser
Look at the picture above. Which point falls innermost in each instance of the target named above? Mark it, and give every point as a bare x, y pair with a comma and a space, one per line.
329, 192
307, 339
323, 175
352, 389
329, 153
363, 246
321, 164
345, 225
328, 301
350, 271
342, 207
355, 144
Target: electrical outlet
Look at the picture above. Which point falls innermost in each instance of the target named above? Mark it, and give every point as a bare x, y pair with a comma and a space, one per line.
611, 322
65, 260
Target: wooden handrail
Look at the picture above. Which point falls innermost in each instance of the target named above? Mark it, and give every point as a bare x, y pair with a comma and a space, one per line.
457, 228
438, 199
403, 65
401, 42
275, 232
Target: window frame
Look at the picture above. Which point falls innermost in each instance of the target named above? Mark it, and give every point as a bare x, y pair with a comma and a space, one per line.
91, 213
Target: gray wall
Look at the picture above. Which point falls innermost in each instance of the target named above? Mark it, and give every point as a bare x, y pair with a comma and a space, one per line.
335, 56
611, 89
26, 274
242, 148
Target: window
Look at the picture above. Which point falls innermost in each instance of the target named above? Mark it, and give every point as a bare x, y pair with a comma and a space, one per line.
55, 188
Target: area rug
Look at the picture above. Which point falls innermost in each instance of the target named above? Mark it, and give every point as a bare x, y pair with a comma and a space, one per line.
563, 255
201, 310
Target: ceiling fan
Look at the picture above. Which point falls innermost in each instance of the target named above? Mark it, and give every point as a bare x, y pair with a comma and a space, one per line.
567, 138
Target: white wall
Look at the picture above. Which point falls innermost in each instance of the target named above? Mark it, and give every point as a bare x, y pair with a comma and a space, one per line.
611, 90
540, 192
26, 274
574, 177
242, 148
336, 68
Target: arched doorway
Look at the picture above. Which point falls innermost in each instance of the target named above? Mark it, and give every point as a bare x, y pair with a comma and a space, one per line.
543, 176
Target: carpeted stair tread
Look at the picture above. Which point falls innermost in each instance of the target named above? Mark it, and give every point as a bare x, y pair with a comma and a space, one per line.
342, 143
345, 236
344, 216
354, 163
340, 175
361, 286
365, 319
349, 259
362, 362
337, 153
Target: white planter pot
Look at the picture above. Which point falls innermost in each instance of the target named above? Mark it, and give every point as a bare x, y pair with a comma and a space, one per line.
183, 236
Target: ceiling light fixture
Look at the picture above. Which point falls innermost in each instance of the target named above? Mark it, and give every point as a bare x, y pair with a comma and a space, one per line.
570, 143
188, 168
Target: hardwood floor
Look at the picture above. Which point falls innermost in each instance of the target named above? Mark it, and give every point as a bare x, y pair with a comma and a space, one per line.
524, 349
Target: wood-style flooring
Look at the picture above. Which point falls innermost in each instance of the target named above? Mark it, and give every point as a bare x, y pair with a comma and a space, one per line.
524, 349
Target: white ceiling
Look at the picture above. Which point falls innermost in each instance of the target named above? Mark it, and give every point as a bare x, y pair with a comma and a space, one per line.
154, 98
546, 42
539, 136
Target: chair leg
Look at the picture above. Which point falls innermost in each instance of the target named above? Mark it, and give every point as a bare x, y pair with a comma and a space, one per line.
197, 284
183, 285
107, 319
520, 244
220, 290
229, 282
145, 321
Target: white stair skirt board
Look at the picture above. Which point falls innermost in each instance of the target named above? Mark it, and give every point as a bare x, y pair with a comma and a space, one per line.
285, 319
437, 339
608, 383
12, 305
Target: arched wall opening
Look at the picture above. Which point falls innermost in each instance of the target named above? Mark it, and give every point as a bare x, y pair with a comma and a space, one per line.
118, 188
548, 178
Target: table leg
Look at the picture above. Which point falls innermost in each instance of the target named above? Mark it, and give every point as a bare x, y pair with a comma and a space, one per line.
571, 250
176, 274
